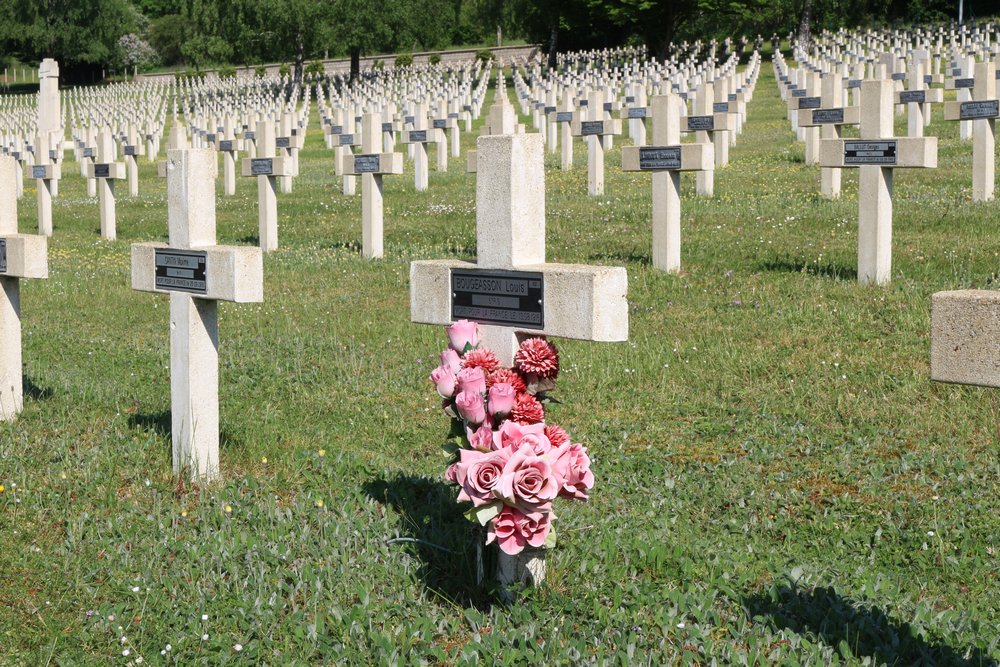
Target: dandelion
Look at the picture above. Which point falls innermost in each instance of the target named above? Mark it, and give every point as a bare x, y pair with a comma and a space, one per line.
263, 459
229, 509
1, 488
319, 503
321, 452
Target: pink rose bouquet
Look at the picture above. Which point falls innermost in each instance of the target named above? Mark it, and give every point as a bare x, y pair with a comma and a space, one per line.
509, 463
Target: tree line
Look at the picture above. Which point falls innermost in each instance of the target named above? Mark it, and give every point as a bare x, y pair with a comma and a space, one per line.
107, 35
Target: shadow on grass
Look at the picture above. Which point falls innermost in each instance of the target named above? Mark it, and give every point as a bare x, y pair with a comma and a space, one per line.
854, 629
827, 269
444, 539
32, 390
160, 424
252, 239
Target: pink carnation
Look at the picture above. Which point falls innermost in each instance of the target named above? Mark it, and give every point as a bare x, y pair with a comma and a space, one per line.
556, 435
481, 357
509, 376
527, 410
537, 356
512, 529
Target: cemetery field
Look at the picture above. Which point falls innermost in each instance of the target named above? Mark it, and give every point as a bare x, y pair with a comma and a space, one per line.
778, 480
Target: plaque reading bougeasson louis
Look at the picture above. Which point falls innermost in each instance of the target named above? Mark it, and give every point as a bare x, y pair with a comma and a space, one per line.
513, 298
592, 127
869, 152
659, 157
181, 270
102, 170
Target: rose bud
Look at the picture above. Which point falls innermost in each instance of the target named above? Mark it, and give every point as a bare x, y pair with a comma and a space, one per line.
444, 380
451, 359
463, 335
501, 400
471, 379
471, 407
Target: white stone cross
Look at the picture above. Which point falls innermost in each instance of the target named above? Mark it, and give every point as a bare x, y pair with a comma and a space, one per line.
46, 173
228, 147
877, 153
831, 116
667, 158
21, 256
557, 300
370, 164
197, 274
106, 171
131, 150
594, 131
418, 139
982, 111
918, 99
267, 168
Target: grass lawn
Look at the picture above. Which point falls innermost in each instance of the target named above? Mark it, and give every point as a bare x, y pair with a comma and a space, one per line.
778, 481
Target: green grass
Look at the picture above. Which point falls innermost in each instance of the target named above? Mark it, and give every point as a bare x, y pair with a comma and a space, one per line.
778, 480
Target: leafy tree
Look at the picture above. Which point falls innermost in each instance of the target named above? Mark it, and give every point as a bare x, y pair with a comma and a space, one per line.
80, 34
166, 34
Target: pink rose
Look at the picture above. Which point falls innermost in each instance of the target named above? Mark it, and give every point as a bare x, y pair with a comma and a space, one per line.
444, 380
471, 407
463, 335
471, 379
513, 529
511, 434
451, 473
481, 438
527, 480
571, 465
451, 359
477, 473
501, 400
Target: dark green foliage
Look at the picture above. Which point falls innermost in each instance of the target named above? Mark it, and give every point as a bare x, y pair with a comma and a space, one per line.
284, 69
315, 68
260, 71
166, 35
227, 72
404, 60
434, 59
485, 55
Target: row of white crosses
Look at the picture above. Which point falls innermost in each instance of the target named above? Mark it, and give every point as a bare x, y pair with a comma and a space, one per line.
974, 105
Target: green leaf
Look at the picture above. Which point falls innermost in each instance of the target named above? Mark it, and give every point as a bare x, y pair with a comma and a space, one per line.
550, 539
484, 513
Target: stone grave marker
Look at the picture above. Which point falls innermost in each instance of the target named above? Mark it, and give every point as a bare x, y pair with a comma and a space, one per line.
577, 301
267, 168
982, 111
45, 172
197, 274
666, 159
21, 256
877, 154
594, 132
106, 171
371, 165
